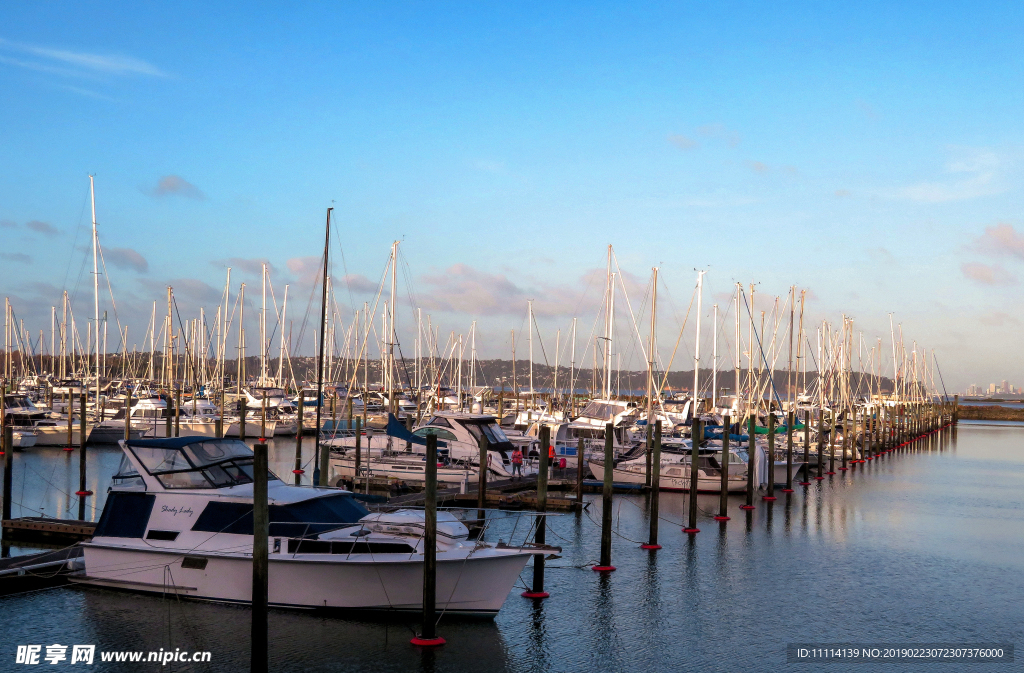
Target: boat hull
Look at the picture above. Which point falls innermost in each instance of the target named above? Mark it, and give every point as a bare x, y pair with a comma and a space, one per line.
668, 482
478, 585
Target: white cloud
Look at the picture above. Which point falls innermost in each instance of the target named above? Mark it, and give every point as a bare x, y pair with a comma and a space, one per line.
80, 62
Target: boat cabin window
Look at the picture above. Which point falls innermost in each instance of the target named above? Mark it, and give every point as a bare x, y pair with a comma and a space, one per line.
439, 422
215, 464
603, 410
298, 519
440, 432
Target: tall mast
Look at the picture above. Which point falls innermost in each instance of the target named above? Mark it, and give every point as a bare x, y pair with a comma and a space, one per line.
572, 363
739, 347
696, 349
529, 328
792, 316
650, 352
320, 356
168, 352
714, 361
280, 358
609, 317
391, 326
241, 341
263, 330
95, 283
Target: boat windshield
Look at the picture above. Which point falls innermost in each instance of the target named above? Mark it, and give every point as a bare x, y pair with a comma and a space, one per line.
214, 464
603, 410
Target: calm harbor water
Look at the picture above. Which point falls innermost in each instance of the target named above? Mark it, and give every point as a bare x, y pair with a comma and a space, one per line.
920, 547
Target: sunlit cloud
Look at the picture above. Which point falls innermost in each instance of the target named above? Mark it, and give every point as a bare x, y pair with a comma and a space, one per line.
126, 258
987, 274
51, 60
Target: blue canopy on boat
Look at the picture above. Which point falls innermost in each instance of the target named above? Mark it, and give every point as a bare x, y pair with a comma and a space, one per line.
175, 442
398, 431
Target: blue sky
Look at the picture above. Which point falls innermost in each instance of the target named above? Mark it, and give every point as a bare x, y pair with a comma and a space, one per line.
869, 153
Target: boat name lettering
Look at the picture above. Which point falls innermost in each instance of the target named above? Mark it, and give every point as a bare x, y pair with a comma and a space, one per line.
176, 511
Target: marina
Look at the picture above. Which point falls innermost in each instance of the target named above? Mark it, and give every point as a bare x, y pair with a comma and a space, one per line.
524, 337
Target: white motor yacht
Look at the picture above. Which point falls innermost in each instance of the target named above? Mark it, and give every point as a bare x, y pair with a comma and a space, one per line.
178, 521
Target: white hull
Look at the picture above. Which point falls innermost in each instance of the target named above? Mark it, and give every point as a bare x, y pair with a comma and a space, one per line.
478, 585
672, 478
403, 471
56, 435
24, 440
185, 429
252, 429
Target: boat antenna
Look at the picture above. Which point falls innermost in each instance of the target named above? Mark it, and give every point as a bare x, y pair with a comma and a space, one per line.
317, 477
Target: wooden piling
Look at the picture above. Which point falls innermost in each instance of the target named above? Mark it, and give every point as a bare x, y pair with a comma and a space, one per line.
807, 449
359, 450
696, 437
581, 467
428, 635
832, 442
263, 416
325, 463
751, 463
771, 458
652, 538
220, 417
82, 492
8, 447
260, 560
821, 453
242, 411
606, 502
846, 438
540, 537
298, 471
71, 421
177, 412
723, 500
481, 488
128, 415
790, 419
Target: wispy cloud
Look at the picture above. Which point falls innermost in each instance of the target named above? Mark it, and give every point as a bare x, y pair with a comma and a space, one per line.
758, 167
997, 319
976, 174
253, 267
42, 228
175, 185
68, 62
682, 142
126, 258
7, 224
15, 257
987, 274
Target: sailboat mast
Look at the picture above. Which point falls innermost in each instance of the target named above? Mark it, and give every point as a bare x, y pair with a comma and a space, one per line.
696, 349
529, 328
650, 352
95, 282
714, 361
322, 478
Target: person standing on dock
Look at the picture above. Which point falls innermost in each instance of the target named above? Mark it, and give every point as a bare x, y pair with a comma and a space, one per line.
517, 462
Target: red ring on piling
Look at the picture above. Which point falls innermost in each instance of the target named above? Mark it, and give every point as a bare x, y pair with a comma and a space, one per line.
69, 448
83, 493
768, 497
787, 490
747, 507
428, 642
830, 473
298, 472
536, 594
819, 478
843, 469
805, 483
691, 531
602, 569
650, 546
722, 518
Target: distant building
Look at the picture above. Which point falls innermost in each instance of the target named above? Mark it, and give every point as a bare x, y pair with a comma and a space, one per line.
991, 389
